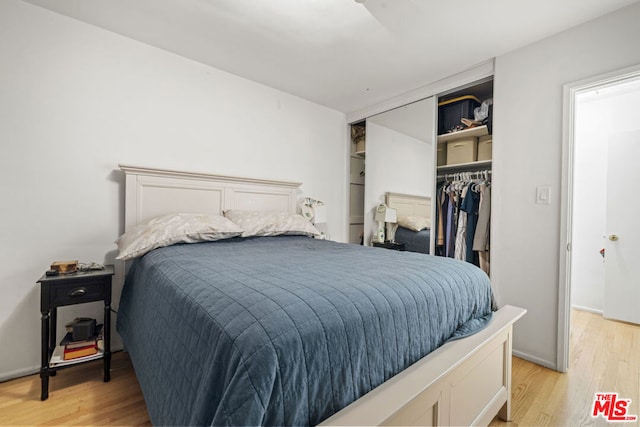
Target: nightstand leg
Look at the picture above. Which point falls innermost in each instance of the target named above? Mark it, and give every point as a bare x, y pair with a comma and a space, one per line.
44, 369
107, 342
53, 329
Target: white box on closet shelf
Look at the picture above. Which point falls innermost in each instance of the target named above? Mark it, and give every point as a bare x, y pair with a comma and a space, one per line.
442, 154
463, 150
484, 147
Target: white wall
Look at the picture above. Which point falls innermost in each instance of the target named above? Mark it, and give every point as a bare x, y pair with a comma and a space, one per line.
527, 152
397, 163
76, 100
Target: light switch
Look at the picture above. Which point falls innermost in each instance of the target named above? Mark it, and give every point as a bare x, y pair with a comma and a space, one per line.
543, 195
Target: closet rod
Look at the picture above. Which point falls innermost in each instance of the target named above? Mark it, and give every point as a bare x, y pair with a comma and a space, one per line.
466, 175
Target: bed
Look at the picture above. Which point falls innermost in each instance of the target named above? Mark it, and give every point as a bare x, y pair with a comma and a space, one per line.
415, 239
295, 358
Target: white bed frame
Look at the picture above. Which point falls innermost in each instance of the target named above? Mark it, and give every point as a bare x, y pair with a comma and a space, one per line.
464, 382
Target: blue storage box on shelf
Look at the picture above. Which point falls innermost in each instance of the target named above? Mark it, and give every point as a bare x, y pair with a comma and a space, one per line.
451, 111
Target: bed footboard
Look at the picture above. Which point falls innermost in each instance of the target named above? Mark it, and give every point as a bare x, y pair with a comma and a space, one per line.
465, 382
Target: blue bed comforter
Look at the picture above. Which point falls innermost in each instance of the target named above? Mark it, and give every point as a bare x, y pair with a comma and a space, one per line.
414, 241
285, 330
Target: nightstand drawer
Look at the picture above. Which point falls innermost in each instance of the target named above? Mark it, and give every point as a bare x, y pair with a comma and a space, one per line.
78, 292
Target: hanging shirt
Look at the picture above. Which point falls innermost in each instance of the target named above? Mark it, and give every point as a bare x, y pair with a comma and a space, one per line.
450, 239
440, 213
481, 236
470, 205
461, 245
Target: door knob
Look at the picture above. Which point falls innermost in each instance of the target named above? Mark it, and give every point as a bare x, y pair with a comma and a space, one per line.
613, 237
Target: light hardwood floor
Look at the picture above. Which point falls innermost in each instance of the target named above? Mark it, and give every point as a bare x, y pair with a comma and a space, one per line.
605, 356
77, 396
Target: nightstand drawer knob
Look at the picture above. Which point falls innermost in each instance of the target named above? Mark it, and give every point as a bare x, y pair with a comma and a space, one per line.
78, 292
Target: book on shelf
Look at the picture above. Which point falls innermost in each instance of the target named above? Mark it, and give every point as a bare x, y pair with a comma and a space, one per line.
96, 340
78, 352
57, 359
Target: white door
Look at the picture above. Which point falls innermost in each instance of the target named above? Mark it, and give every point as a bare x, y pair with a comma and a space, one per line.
622, 247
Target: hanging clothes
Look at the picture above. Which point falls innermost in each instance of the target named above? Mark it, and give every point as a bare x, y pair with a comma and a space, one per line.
461, 248
470, 205
481, 237
440, 200
463, 216
451, 224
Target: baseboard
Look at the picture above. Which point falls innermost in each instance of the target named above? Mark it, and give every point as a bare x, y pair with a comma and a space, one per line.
25, 372
536, 360
588, 309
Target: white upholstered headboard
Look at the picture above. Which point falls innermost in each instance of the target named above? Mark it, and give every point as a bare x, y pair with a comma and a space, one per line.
153, 192
407, 205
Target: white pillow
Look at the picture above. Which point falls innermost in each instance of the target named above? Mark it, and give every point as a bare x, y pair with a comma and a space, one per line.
174, 228
415, 223
268, 223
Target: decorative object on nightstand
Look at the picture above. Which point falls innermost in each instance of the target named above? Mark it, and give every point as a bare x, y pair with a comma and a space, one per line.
67, 289
383, 216
64, 267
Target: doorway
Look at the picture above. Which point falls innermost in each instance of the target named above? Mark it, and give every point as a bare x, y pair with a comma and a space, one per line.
599, 113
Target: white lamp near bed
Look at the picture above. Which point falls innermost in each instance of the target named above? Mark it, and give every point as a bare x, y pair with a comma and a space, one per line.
391, 231
309, 206
320, 214
320, 219
316, 212
388, 216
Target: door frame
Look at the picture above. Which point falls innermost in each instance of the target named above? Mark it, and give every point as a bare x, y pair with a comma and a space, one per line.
570, 91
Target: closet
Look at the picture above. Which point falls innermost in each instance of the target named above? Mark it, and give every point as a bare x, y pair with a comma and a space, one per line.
462, 205
460, 155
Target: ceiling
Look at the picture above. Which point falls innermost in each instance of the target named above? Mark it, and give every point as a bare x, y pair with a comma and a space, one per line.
344, 54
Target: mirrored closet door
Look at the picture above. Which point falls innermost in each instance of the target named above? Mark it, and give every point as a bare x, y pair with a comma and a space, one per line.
396, 158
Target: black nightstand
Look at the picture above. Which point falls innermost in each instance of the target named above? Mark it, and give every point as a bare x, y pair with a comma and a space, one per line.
396, 246
69, 289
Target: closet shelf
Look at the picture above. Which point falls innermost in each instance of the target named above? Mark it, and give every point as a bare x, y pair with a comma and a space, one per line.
463, 167
467, 133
